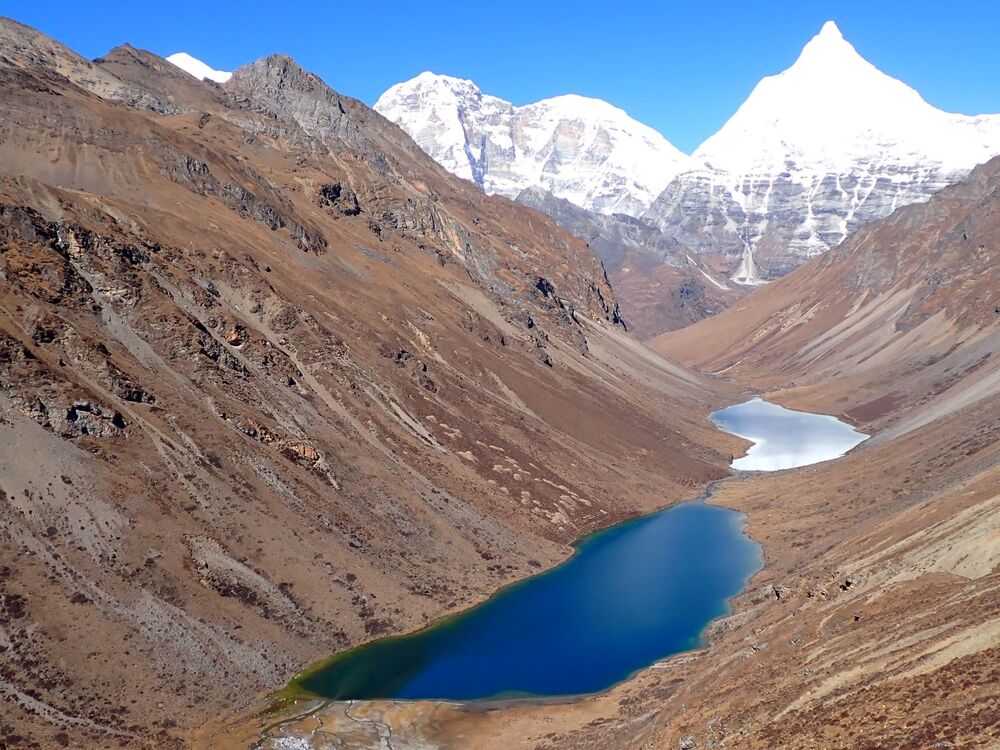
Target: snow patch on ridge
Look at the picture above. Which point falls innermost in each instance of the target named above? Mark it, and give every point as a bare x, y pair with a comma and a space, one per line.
706, 274
195, 67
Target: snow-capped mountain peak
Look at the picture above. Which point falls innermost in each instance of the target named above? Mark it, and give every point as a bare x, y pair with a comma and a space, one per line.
197, 68
578, 148
829, 56
828, 44
815, 151
824, 110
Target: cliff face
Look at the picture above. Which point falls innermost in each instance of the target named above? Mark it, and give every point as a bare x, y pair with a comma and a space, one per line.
272, 383
662, 284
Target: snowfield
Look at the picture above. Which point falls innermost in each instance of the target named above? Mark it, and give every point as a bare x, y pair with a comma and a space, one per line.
578, 148
197, 68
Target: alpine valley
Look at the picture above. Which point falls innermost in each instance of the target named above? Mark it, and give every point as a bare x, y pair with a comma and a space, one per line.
294, 399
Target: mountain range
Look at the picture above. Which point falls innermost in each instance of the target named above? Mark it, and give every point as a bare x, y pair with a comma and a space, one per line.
813, 153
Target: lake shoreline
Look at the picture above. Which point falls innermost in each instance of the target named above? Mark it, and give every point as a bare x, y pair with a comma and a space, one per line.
391, 668
294, 691
708, 496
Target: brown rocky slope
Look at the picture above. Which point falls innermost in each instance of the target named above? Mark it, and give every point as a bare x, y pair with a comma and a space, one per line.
273, 383
662, 285
875, 623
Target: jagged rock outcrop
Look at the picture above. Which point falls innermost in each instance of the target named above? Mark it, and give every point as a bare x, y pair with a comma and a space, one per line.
341, 199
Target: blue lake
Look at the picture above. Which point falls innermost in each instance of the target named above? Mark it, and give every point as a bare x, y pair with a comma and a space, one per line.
630, 595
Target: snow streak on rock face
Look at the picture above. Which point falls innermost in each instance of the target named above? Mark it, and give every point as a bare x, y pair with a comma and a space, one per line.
577, 148
814, 152
197, 68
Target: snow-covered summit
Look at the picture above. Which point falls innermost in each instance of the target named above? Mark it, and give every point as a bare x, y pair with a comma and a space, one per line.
197, 68
814, 152
578, 148
833, 107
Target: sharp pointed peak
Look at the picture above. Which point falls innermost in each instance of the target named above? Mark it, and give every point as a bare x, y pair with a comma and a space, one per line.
829, 36
828, 48
830, 30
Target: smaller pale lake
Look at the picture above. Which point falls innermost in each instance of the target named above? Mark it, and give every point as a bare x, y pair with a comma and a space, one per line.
783, 438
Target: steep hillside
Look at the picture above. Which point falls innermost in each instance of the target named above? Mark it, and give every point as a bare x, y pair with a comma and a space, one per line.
662, 285
273, 383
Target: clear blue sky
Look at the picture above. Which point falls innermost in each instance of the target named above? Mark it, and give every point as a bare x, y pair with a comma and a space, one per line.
682, 67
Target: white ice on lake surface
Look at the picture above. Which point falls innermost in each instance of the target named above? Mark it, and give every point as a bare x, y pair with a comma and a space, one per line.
783, 438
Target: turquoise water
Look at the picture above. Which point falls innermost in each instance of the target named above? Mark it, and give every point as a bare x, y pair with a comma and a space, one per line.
630, 595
